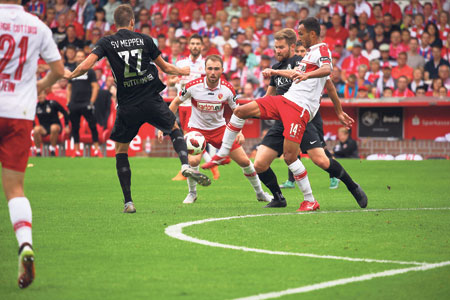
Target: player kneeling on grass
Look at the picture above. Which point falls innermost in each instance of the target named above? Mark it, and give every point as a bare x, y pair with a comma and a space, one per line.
209, 95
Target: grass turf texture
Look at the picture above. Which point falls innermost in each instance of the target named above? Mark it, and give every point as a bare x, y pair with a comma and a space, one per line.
88, 249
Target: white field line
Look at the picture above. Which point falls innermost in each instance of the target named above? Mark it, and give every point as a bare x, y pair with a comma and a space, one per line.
343, 281
176, 231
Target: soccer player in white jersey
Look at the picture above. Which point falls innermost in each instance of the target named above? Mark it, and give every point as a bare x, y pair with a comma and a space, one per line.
197, 66
295, 109
208, 96
23, 38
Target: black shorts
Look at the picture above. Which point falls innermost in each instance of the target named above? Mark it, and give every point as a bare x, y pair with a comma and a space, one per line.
130, 118
47, 127
312, 138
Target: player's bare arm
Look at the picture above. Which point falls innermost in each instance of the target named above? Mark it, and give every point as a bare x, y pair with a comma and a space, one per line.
175, 104
323, 71
283, 73
332, 93
171, 69
271, 91
85, 66
56, 72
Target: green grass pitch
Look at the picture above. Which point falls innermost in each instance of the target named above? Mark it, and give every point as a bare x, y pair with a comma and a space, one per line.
86, 248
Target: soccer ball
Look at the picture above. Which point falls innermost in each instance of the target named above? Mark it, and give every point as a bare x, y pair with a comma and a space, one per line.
195, 142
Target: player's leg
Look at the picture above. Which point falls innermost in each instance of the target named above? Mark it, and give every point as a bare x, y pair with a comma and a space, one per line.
92, 123
194, 162
55, 129
75, 116
290, 182
184, 113
238, 155
124, 174
38, 132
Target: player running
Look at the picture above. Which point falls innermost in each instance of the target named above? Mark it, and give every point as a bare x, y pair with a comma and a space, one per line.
208, 96
295, 109
23, 38
132, 57
312, 141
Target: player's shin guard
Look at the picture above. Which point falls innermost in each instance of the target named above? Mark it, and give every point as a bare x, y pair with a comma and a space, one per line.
301, 177
192, 184
269, 179
251, 175
336, 170
20, 215
124, 174
179, 144
233, 128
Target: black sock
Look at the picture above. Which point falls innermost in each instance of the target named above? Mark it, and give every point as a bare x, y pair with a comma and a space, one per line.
269, 179
179, 144
124, 174
290, 176
329, 155
336, 170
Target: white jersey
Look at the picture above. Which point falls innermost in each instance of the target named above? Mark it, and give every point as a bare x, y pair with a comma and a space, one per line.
208, 104
23, 37
307, 93
197, 71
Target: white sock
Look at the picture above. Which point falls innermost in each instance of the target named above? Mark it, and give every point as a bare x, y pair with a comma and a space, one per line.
206, 156
251, 175
51, 148
20, 214
301, 177
233, 128
38, 150
192, 184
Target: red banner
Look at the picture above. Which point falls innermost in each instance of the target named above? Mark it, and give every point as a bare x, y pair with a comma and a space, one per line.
426, 123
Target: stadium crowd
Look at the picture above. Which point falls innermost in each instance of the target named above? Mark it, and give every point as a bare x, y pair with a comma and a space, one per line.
379, 50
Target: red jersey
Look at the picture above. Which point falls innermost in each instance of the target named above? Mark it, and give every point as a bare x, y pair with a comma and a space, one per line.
342, 34
405, 93
351, 63
162, 8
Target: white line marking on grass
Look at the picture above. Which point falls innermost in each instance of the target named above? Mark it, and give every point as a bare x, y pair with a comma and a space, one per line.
176, 231
343, 281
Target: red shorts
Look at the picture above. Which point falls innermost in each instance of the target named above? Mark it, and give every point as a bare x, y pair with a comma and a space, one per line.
294, 117
15, 143
214, 136
184, 112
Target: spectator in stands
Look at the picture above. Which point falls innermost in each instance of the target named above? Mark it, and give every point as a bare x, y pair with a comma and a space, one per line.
363, 93
208, 47
407, 22
209, 30
370, 53
337, 31
50, 18
365, 31
414, 59
351, 63
428, 13
361, 6
324, 16
396, 45
69, 57
109, 8
252, 59
84, 12
377, 15
221, 19
380, 38
443, 92
197, 20
71, 39
361, 76
352, 37
385, 57
186, 30
300, 50
260, 30
419, 26
402, 69
236, 82
374, 72
260, 9
350, 89
337, 80
211, 6
185, 8
392, 8
233, 10
225, 38
246, 19
176, 52
432, 67
402, 88
158, 27
247, 92
263, 47
162, 46
421, 91
433, 90
350, 17
135, 5
61, 8
161, 7
413, 8
425, 49
174, 19
388, 92
311, 5
229, 61
262, 90
339, 48
98, 22
143, 18
443, 25
59, 33
406, 37
250, 36
335, 8
385, 80
435, 39
71, 20
444, 74
417, 80
346, 147
389, 26
235, 28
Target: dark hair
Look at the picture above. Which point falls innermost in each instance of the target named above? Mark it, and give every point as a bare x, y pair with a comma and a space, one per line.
299, 43
311, 24
414, 38
214, 57
436, 30
161, 36
195, 36
123, 15
286, 34
99, 9
353, 26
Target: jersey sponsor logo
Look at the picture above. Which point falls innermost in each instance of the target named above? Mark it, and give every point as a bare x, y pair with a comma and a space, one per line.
313, 142
210, 94
208, 106
127, 43
134, 82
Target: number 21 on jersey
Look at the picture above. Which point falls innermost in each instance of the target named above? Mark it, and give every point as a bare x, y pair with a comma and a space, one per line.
7, 56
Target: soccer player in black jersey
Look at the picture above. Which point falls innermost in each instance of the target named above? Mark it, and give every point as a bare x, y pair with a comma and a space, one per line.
47, 113
132, 57
312, 141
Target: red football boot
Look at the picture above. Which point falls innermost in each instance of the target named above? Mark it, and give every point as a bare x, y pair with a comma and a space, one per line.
216, 160
309, 206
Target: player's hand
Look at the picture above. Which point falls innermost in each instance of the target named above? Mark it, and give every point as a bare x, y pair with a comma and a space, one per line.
185, 70
346, 120
160, 136
299, 76
67, 129
267, 72
240, 139
67, 74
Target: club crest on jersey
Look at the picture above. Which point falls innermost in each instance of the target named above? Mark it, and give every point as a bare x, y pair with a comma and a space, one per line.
220, 96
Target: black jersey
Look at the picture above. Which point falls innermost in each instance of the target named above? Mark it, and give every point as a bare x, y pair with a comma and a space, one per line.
282, 84
131, 56
47, 113
82, 89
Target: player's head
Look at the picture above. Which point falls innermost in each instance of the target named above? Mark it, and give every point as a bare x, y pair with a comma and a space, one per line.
213, 69
195, 45
80, 56
309, 32
42, 96
284, 43
124, 16
300, 49
343, 134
